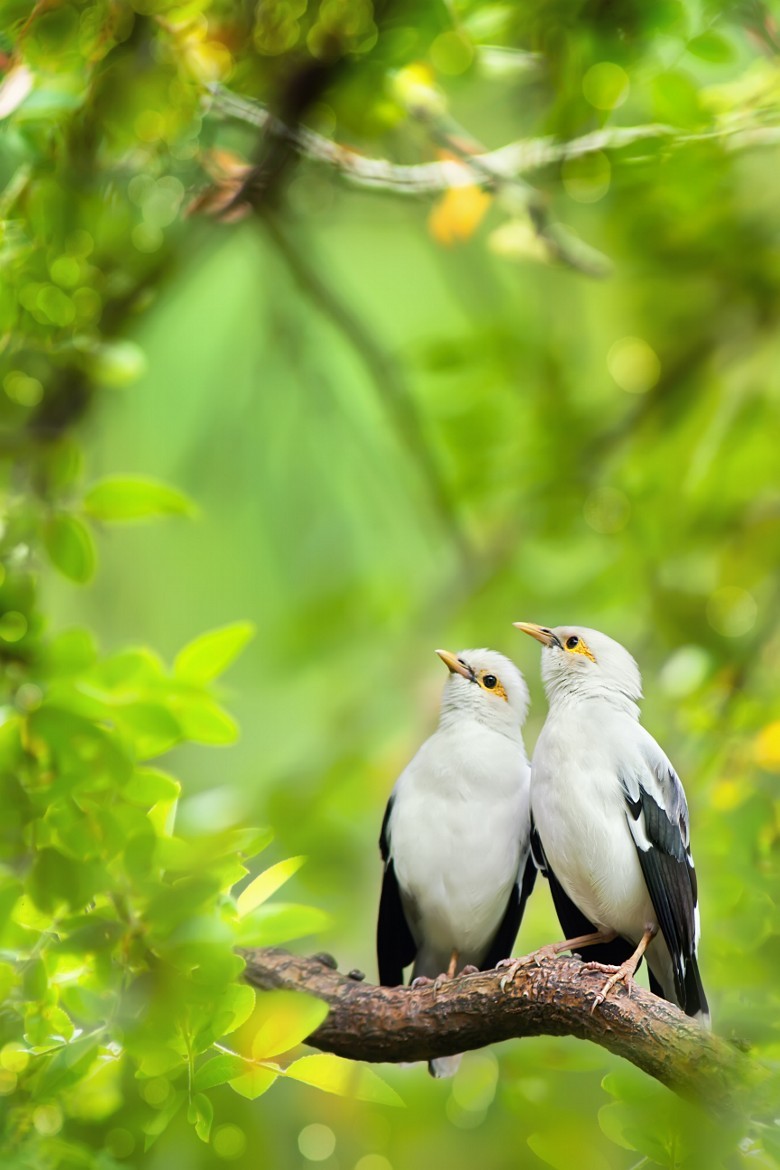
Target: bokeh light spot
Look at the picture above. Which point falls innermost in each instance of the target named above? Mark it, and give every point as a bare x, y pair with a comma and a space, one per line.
606, 85
229, 1142
373, 1162
732, 611
587, 179
47, 1119
634, 365
606, 510
684, 671
13, 626
120, 1142
14, 1056
316, 1142
8, 1082
451, 53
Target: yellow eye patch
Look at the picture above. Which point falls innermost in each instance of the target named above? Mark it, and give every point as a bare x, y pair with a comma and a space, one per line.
576, 645
490, 683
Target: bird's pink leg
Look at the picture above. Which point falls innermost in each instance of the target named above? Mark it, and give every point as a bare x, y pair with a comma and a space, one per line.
550, 951
626, 971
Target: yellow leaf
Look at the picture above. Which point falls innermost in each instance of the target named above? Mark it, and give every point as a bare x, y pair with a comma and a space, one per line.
281, 1020
766, 747
458, 214
332, 1074
266, 884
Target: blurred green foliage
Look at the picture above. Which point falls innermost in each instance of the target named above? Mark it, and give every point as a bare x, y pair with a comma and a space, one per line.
369, 424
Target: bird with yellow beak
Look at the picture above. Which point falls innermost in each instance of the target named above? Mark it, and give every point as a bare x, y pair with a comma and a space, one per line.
611, 819
455, 838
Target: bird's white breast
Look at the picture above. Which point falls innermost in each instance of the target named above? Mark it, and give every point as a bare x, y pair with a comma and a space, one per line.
580, 813
458, 829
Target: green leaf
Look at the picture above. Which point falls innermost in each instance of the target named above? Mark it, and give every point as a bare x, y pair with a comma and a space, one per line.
201, 1115
283, 1019
345, 1078
254, 1083
267, 884
711, 46
122, 498
148, 785
280, 922
152, 727
207, 657
218, 1071
204, 721
239, 1003
160, 1122
562, 1149
70, 547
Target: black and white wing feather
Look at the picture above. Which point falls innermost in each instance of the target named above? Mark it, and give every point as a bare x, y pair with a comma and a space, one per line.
657, 815
395, 946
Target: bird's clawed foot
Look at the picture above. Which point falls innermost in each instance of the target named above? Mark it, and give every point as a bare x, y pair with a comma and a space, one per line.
626, 971
469, 969
537, 958
623, 974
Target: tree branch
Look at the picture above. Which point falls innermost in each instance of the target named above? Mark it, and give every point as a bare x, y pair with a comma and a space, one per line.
556, 999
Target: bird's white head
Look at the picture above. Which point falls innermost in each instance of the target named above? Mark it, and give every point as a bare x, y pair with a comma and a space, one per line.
486, 686
578, 662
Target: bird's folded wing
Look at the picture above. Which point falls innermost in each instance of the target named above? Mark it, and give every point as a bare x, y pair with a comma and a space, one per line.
657, 815
395, 946
504, 940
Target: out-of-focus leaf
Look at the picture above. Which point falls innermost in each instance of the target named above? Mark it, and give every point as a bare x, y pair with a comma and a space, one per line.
163, 1118
279, 922
204, 721
254, 1083
209, 655
134, 497
561, 1148
281, 1020
345, 1078
272, 879
218, 1071
711, 46
148, 785
201, 1115
70, 547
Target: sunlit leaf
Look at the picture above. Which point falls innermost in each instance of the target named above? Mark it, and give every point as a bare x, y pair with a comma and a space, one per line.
254, 1083
219, 1070
134, 497
272, 879
281, 1020
209, 656
346, 1078
280, 922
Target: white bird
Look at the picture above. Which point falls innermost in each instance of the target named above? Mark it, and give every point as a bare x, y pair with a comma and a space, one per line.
456, 833
612, 820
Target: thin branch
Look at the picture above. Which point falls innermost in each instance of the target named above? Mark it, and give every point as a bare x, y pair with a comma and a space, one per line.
387, 378
481, 170
556, 999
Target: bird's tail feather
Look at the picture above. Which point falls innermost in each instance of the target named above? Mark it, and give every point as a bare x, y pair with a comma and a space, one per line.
444, 1066
695, 999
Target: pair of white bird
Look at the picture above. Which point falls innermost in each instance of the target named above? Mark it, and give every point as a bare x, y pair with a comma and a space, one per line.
600, 811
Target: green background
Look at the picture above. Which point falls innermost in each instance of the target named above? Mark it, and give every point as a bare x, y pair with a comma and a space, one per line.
395, 443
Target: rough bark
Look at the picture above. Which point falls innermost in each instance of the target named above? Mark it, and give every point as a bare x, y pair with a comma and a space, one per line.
553, 999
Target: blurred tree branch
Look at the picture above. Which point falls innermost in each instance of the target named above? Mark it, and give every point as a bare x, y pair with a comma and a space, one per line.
398, 1024
470, 169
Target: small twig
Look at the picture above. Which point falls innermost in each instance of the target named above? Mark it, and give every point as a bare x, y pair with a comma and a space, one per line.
397, 1024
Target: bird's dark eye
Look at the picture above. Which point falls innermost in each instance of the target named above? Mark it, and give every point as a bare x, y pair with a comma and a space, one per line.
572, 642
489, 681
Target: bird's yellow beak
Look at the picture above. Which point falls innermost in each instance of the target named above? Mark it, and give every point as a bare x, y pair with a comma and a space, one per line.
453, 665
541, 633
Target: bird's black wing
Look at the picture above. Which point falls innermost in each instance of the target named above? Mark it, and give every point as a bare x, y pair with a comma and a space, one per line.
574, 923
657, 815
395, 947
501, 946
